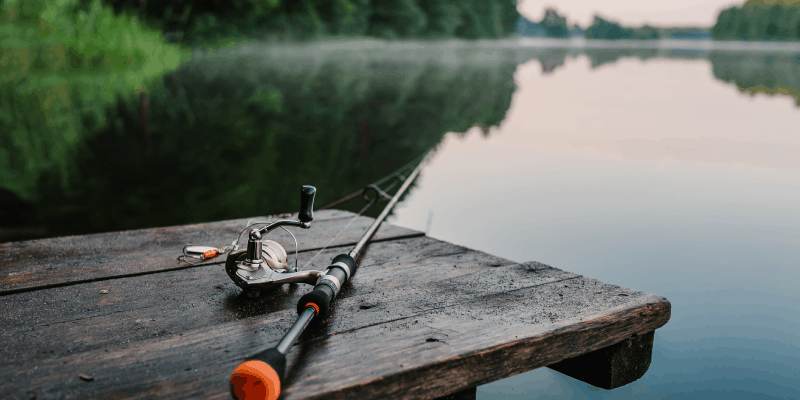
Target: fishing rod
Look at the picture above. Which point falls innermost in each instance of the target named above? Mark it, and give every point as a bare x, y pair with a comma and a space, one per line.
261, 375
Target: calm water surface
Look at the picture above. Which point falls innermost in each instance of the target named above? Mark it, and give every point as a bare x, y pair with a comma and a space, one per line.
652, 175
650, 168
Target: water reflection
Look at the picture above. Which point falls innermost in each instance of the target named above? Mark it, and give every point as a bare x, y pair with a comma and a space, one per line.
231, 131
652, 173
236, 132
618, 120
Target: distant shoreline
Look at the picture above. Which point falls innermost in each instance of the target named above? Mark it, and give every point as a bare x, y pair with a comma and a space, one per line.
701, 45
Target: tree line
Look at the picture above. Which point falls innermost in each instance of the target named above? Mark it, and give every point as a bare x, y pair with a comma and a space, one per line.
759, 20
195, 22
754, 20
555, 25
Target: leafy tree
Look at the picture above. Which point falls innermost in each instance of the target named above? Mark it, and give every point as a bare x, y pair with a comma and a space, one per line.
554, 24
604, 29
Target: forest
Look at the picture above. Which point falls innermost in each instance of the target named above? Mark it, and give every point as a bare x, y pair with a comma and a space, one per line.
604, 29
555, 25
197, 22
754, 20
759, 20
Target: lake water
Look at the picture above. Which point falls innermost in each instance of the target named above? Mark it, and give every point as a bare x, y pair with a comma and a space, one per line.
672, 170
653, 175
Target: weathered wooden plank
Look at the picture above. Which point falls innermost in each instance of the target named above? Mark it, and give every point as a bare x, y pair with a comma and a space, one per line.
613, 366
390, 332
463, 345
392, 360
175, 302
46, 263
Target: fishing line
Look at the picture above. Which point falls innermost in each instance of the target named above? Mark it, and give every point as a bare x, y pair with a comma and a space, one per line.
340, 232
262, 374
369, 204
395, 174
203, 253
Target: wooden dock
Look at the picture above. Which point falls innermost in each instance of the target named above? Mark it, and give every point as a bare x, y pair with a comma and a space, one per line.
116, 315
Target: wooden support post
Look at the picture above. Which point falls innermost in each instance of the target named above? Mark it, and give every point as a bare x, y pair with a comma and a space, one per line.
613, 366
466, 394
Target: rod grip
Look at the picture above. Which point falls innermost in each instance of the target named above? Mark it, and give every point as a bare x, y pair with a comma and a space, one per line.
307, 194
259, 377
341, 269
319, 298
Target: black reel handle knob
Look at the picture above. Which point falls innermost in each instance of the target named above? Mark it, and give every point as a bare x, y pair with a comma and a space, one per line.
307, 194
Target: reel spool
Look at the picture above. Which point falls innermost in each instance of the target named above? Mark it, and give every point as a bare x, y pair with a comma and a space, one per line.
275, 256
263, 265
274, 259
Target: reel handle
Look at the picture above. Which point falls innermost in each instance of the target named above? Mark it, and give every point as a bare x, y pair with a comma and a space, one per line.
259, 377
307, 194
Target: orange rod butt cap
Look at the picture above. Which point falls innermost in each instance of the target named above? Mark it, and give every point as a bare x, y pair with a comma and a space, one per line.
255, 380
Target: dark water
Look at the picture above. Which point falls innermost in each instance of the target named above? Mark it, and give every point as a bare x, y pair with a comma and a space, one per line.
670, 171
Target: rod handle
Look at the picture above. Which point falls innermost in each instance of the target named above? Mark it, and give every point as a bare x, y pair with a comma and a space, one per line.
307, 194
320, 299
259, 377
342, 268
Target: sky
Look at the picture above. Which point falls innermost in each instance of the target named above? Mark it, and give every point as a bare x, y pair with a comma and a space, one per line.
632, 12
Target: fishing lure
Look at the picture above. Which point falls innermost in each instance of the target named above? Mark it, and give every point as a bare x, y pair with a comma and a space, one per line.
201, 252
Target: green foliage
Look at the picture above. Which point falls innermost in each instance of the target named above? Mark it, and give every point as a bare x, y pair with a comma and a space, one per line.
785, 3
554, 25
647, 32
775, 22
775, 75
227, 145
62, 62
209, 21
604, 29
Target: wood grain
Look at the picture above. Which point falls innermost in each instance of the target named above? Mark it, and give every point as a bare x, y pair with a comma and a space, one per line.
49, 263
174, 302
418, 308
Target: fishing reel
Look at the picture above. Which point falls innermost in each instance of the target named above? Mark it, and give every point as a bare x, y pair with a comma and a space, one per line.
263, 265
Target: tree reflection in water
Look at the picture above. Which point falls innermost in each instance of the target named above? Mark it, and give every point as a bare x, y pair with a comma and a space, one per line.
235, 132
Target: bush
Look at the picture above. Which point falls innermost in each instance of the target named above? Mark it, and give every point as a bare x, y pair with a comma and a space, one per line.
62, 63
